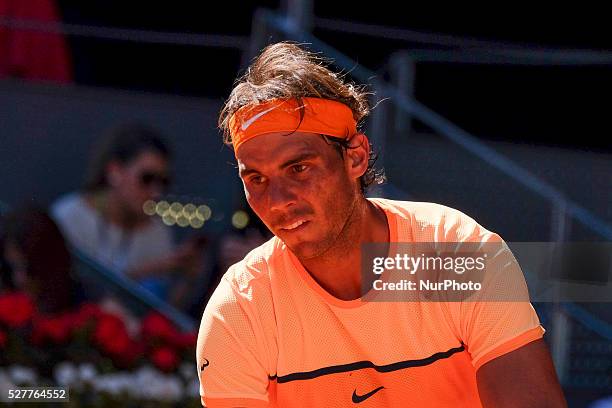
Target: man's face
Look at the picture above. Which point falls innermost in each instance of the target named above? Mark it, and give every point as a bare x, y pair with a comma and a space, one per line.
300, 187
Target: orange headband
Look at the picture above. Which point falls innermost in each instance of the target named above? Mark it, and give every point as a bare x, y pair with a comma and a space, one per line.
321, 116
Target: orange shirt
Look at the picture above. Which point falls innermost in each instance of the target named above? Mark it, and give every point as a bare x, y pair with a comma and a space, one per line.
271, 336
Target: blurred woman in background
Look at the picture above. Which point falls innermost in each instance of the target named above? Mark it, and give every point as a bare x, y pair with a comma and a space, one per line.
106, 220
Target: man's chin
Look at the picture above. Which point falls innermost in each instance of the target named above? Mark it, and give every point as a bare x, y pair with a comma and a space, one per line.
306, 250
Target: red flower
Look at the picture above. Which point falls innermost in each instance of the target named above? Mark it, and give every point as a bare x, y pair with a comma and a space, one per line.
56, 329
118, 345
2, 339
112, 338
110, 332
165, 358
16, 309
156, 327
88, 312
186, 341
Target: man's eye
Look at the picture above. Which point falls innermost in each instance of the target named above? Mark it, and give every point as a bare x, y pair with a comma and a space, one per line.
298, 168
256, 180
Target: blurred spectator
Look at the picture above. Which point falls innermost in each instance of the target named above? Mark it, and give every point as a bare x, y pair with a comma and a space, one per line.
33, 54
35, 259
106, 220
232, 248
234, 245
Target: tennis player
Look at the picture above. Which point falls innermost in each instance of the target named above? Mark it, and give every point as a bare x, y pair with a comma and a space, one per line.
288, 325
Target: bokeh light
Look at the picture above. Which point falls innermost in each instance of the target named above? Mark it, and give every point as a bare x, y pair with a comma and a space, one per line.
169, 220
189, 210
149, 207
175, 209
195, 222
240, 219
161, 208
182, 221
203, 212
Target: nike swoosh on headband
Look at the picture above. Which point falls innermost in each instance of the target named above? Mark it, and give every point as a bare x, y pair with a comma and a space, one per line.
245, 125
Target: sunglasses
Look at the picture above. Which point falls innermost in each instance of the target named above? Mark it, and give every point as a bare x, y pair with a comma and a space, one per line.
148, 179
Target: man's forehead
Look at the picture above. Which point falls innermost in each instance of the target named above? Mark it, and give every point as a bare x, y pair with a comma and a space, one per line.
276, 148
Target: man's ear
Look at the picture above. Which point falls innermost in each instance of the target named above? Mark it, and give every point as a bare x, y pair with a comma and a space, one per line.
358, 155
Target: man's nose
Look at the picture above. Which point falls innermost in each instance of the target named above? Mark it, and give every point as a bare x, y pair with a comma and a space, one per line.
280, 196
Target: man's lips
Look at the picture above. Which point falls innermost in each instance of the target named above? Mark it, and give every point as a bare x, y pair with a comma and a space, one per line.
294, 225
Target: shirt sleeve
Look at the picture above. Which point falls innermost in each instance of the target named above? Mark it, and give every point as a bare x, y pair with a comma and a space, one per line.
231, 355
500, 318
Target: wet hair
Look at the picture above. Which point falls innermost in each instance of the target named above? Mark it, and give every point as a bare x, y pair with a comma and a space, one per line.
287, 71
123, 144
372, 175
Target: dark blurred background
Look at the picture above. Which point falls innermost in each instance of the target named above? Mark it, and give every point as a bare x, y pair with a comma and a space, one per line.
519, 104
504, 118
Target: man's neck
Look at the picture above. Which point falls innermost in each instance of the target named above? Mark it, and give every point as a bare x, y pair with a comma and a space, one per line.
339, 270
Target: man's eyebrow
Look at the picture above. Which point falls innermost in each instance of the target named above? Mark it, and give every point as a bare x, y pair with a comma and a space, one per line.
299, 158
246, 172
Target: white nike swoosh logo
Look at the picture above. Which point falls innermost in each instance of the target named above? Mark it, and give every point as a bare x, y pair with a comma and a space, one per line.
246, 124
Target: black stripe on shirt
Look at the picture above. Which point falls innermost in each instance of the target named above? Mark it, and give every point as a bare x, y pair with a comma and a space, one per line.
342, 368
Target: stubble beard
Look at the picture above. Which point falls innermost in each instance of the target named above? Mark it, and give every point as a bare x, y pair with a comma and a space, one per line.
334, 243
